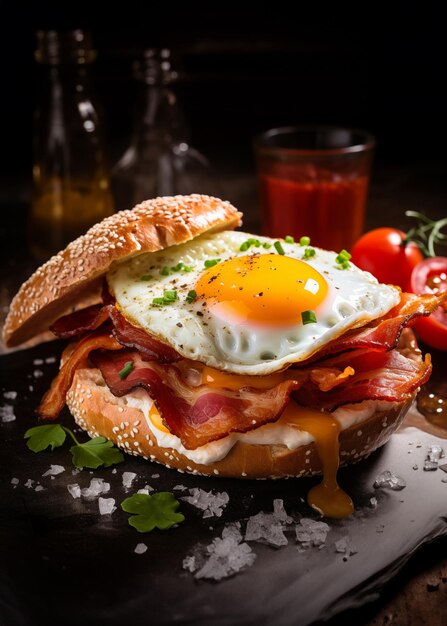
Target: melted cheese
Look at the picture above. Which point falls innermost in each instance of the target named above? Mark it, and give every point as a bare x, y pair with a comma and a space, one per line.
297, 426
327, 497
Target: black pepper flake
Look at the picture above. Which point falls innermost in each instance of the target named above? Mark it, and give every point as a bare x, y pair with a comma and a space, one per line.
212, 279
179, 324
199, 313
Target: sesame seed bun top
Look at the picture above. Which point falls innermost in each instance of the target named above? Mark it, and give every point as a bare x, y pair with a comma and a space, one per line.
73, 276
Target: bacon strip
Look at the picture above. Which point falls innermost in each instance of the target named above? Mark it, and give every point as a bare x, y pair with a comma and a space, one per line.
81, 321
372, 369
130, 336
133, 337
53, 401
197, 415
387, 376
383, 333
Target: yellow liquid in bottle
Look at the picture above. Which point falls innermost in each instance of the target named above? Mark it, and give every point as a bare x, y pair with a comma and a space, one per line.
62, 210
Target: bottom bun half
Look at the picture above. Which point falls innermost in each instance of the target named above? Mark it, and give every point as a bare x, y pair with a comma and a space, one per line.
100, 413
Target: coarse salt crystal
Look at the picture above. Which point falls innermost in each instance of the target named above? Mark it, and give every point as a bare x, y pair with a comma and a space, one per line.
388, 480
7, 413
54, 470
128, 478
96, 488
311, 532
435, 453
223, 557
106, 506
211, 504
10, 395
74, 490
140, 548
146, 489
15, 481
430, 466
345, 547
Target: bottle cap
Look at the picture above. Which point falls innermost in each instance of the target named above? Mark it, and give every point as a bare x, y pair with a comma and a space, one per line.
154, 67
60, 47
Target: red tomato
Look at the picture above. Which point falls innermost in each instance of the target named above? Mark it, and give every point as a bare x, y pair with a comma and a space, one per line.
382, 252
430, 276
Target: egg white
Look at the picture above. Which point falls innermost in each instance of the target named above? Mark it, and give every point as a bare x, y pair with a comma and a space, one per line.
354, 298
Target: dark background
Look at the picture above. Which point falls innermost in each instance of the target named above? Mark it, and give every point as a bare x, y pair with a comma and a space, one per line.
380, 66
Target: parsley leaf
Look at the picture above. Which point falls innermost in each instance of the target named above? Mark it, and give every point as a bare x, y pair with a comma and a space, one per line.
41, 437
96, 452
93, 453
152, 511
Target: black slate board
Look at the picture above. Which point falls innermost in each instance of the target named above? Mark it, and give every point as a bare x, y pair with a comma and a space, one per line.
63, 563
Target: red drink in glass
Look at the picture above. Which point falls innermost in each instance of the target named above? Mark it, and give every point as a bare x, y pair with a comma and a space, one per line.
313, 189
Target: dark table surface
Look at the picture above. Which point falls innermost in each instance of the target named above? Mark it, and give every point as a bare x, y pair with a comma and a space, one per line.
407, 581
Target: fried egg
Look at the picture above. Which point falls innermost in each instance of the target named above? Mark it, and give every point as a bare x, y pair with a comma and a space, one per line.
246, 309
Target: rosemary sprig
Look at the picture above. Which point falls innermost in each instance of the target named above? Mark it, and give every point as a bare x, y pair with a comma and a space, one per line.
427, 234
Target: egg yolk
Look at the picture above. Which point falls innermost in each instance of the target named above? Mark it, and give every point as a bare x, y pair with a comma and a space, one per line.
269, 289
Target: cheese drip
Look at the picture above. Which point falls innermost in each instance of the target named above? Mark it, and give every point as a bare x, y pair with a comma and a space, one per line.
327, 497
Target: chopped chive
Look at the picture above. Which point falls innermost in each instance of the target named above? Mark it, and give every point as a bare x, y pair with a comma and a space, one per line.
124, 373
289, 239
278, 247
308, 317
308, 253
342, 259
248, 243
267, 245
343, 255
211, 262
146, 277
180, 267
169, 295
304, 241
192, 295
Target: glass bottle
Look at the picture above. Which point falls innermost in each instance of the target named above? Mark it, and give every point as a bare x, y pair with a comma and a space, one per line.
71, 180
159, 160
